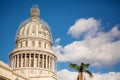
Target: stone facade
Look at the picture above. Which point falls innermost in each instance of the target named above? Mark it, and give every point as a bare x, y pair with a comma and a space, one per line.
32, 57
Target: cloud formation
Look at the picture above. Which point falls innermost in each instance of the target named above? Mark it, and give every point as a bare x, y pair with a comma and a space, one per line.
63, 75
84, 25
99, 49
57, 40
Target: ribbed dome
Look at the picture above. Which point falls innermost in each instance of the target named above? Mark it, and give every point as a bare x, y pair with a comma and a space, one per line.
34, 27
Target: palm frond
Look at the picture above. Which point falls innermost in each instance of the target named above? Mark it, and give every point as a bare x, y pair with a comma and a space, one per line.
74, 66
89, 73
87, 65
83, 67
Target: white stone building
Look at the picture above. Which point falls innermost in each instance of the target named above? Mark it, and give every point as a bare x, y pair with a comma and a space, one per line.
32, 57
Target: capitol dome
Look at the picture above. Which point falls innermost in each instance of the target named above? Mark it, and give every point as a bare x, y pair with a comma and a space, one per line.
33, 28
33, 55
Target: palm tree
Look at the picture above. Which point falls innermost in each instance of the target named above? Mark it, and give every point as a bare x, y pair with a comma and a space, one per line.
82, 68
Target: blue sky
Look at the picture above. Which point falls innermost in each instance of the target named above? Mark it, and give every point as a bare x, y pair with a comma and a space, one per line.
102, 17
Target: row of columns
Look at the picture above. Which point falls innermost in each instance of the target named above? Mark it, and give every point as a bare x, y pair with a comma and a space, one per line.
43, 61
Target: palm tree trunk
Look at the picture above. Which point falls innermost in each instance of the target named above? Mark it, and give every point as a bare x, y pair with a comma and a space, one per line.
80, 76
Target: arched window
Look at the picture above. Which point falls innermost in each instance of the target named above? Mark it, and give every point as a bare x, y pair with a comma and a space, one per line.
21, 44
44, 45
39, 44
33, 43
26, 44
49, 46
44, 34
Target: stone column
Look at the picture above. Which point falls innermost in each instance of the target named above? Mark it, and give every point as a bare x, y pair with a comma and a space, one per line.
42, 61
49, 62
52, 63
13, 62
25, 61
40, 64
34, 60
46, 61
17, 61
38, 60
21, 60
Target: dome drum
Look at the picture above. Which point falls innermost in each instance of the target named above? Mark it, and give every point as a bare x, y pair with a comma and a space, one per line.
34, 43
30, 60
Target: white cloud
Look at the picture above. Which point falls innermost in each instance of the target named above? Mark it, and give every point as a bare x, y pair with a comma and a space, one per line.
100, 50
58, 49
68, 75
57, 40
83, 25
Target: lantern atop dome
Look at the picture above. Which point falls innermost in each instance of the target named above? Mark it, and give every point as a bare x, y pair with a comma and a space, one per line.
35, 12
